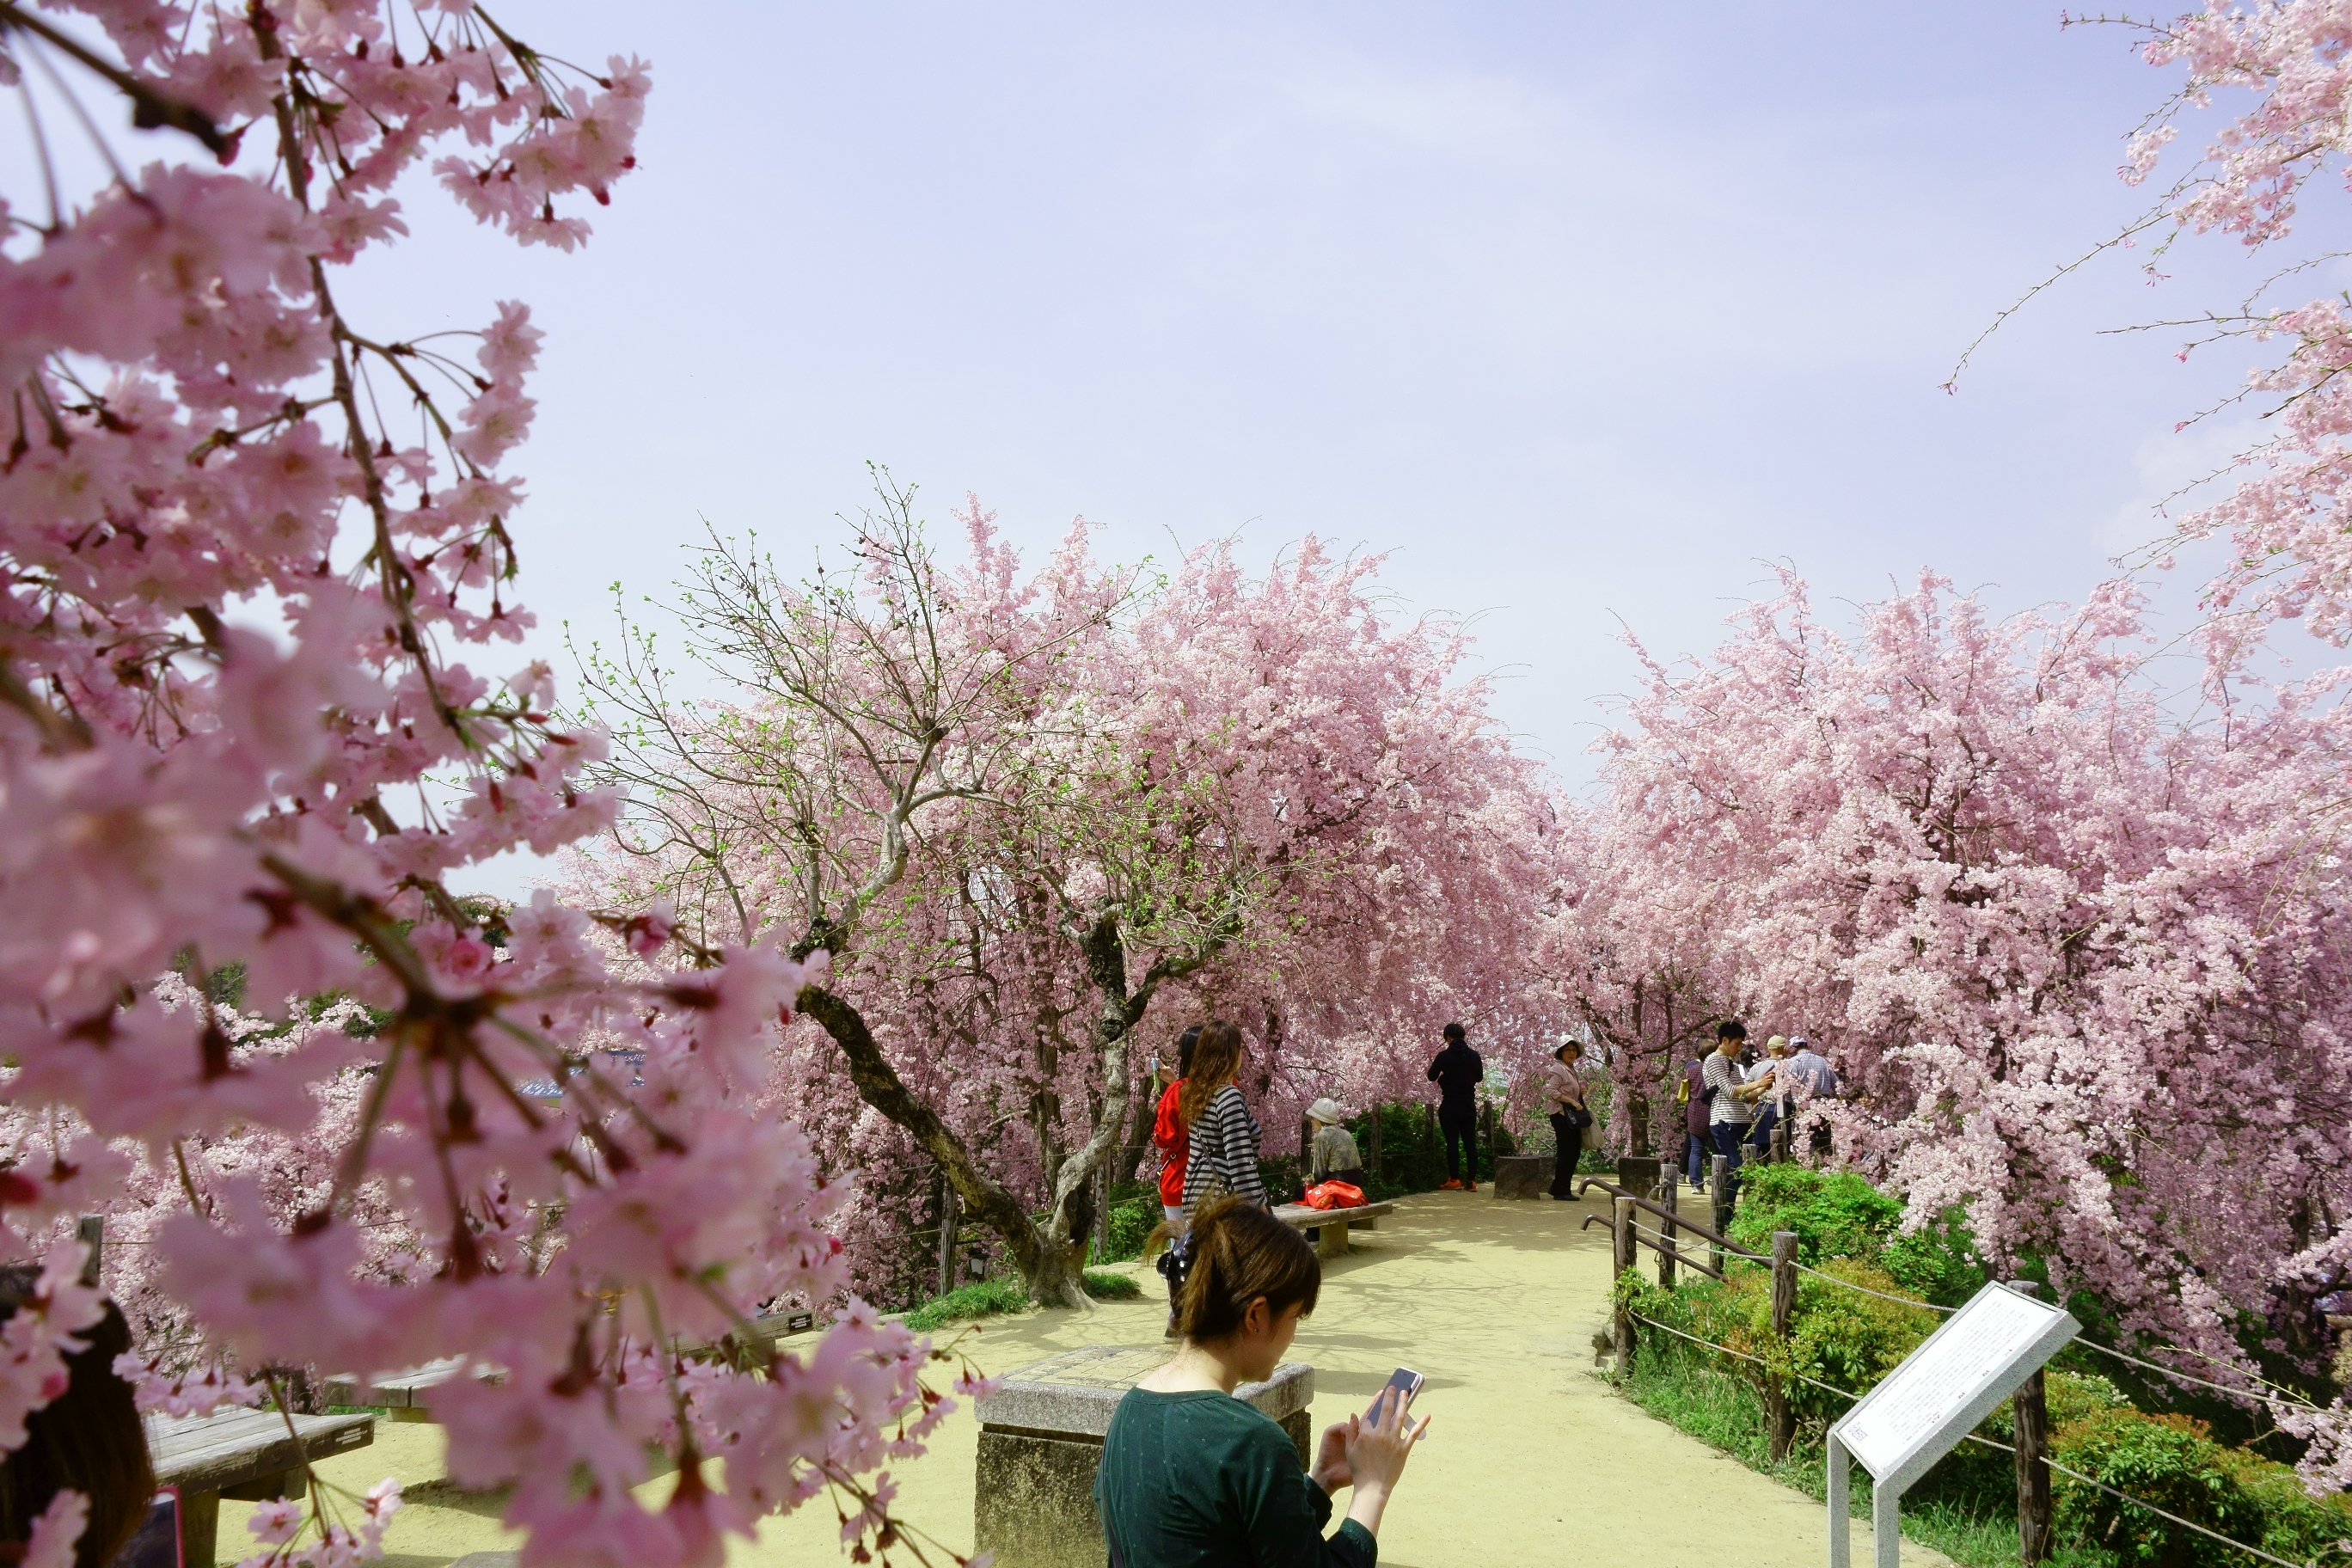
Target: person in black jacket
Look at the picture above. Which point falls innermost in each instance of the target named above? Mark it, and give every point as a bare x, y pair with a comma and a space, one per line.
1457, 1072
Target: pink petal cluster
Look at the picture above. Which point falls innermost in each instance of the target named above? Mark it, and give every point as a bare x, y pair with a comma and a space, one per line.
2284, 67
254, 563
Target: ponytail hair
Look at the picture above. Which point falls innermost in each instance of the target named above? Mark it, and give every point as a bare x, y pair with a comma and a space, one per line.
1216, 1062
1237, 1253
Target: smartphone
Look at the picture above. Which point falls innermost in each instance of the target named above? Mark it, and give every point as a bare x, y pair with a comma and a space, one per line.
156, 1542
1403, 1384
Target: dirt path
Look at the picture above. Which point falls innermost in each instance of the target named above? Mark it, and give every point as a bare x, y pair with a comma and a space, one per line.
1529, 1458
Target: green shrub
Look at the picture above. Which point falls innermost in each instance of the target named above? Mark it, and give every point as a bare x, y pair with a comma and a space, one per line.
2168, 1460
1105, 1286
1836, 1214
1131, 1220
2295, 1525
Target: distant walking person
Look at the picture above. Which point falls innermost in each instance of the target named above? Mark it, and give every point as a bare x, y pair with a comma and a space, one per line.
1457, 1072
1564, 1097
1222, 1155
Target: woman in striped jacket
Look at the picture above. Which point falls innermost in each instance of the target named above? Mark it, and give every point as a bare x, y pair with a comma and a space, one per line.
1224, 1135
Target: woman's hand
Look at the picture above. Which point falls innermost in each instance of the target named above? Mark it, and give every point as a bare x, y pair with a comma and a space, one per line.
1379, 1444
1331, 1471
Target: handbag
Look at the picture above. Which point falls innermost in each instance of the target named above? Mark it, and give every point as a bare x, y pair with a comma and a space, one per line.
1334, 1195
1578, 1117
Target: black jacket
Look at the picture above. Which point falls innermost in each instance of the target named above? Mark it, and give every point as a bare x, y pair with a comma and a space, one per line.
1457, 1072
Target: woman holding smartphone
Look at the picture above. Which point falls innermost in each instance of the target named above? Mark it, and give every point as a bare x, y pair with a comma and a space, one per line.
1189, 1475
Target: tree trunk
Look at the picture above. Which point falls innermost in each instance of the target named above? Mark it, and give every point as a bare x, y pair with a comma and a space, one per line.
983, 1199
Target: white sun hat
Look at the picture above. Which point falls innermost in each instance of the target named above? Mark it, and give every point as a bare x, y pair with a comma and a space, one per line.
1327, 1111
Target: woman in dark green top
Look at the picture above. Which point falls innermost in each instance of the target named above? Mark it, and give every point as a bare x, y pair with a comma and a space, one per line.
1193, 1478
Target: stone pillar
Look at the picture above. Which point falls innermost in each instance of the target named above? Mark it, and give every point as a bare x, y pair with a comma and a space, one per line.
1041, 1437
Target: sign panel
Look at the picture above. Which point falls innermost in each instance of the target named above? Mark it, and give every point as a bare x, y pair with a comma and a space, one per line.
1949, 1383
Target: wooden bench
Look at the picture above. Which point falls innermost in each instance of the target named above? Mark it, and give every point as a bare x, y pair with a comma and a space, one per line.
245, 1455
1332, 1223
396, 1393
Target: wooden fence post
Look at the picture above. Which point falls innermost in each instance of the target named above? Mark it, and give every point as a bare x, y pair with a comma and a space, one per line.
90, 1230
1670, 1189
1621, 1233
1784, 1310
1380, 1171
2036, 1529
947, 1233
1719, 1191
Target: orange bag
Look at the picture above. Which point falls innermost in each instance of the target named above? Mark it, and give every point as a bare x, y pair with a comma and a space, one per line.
1335, 1195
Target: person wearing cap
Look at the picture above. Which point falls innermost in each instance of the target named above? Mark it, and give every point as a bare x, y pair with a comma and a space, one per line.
1806, 1076
1768, 1088
1331, 1153
1563, 1093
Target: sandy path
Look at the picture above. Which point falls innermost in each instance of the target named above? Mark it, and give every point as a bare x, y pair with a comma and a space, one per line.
1529, 1459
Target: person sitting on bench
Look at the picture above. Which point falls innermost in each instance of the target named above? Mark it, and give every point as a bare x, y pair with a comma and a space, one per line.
1331, 1153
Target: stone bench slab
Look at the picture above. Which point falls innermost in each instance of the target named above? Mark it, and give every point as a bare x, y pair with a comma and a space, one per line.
1072, 1395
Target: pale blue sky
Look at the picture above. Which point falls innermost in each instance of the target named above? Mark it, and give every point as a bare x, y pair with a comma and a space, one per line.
1579, 313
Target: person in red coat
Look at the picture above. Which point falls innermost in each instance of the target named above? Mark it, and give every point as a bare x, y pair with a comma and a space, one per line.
1171, 1136
1174, 1138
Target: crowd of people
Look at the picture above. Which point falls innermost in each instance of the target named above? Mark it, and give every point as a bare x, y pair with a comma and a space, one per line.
1733, 1099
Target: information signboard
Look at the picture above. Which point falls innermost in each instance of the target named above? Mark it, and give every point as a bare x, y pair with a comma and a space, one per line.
1931, 1402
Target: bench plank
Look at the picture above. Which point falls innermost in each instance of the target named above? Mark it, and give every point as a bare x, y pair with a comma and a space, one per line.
236, 1448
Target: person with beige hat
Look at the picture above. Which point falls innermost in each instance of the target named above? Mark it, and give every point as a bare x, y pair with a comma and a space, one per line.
1331, 1153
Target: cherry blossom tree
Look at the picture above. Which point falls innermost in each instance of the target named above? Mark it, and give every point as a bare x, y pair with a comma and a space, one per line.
256, 554
2081, 965
2264, 88
1038, 820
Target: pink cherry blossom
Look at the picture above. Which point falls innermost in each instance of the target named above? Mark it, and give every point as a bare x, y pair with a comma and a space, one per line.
253, 553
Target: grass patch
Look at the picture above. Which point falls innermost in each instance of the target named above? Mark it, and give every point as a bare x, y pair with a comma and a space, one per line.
981, 1298
992, 1298
1105, 1286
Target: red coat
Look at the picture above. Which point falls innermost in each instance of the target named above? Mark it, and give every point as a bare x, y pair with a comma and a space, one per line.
1174, 1142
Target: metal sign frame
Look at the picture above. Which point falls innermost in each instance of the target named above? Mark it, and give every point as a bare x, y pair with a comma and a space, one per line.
1993, 1385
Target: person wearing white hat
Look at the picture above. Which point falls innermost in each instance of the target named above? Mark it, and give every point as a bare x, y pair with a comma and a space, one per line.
1332, 1156
1563, 1095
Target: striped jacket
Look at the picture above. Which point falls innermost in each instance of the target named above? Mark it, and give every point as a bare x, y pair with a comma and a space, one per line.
1224, 1151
